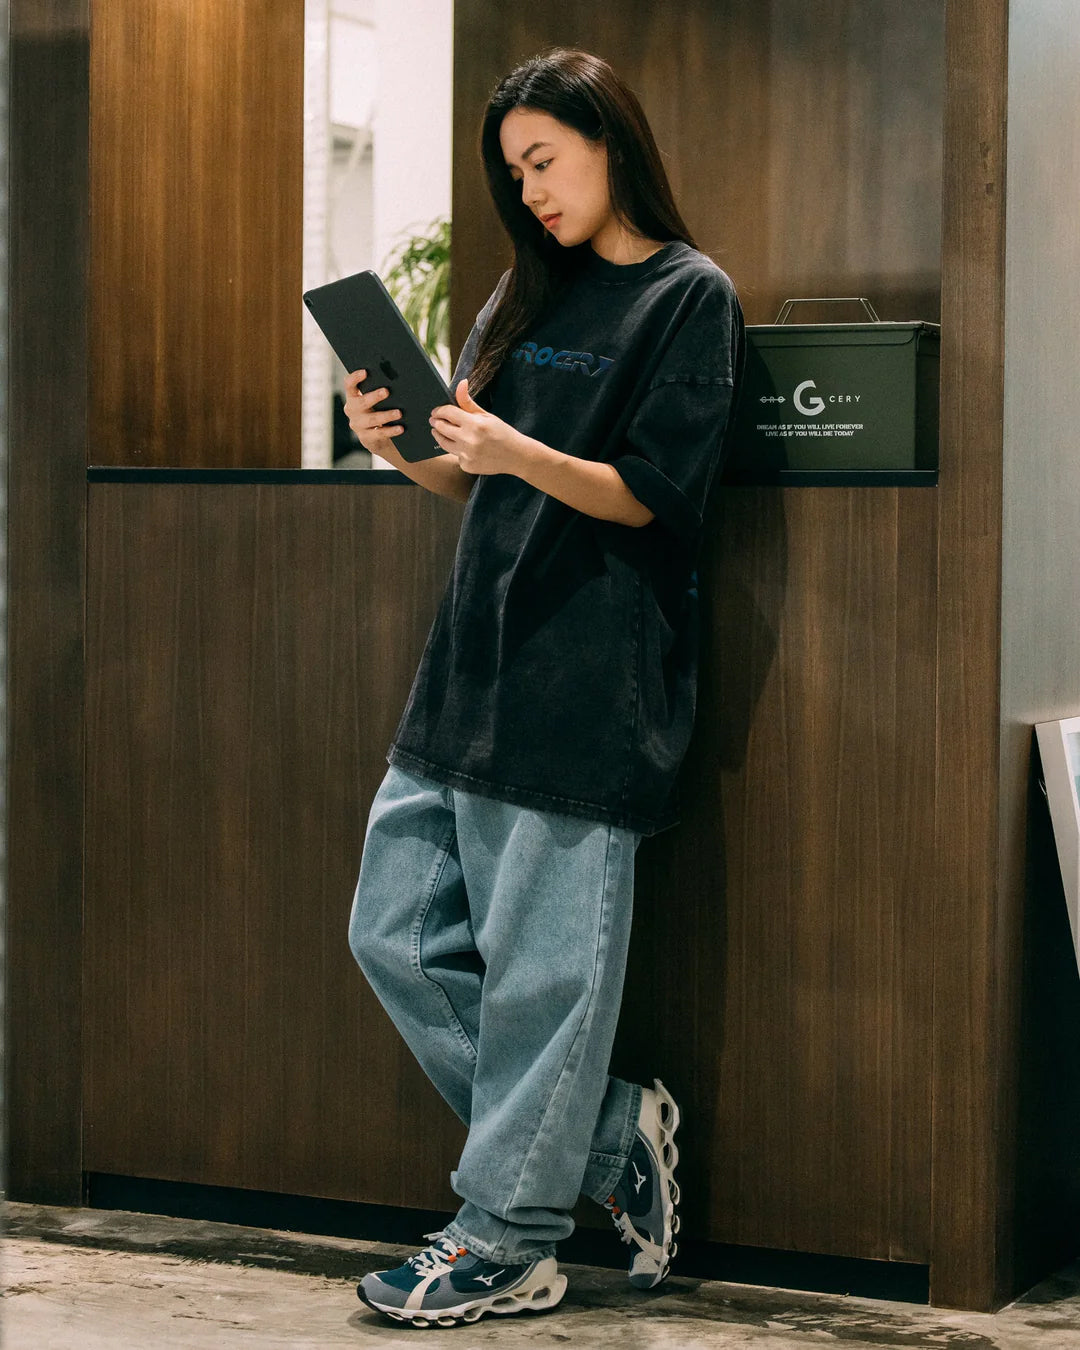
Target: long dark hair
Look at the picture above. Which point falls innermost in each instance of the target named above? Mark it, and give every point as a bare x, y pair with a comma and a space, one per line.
582, 91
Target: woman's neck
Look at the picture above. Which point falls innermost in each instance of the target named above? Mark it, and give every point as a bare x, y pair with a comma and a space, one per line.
618, 245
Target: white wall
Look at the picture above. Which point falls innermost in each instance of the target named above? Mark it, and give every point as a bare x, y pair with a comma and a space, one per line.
353, 66
385, 68
1040, 581
413, 111
1041, 568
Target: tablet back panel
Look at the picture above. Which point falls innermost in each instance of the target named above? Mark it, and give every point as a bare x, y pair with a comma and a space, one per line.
367, 331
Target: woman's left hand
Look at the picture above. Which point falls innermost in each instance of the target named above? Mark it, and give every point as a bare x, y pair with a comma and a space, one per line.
482, 442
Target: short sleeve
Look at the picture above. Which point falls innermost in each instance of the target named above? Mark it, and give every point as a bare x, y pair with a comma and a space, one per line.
675, 440
467, 359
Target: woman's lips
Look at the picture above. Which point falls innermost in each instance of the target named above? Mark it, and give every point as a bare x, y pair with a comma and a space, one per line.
551, 220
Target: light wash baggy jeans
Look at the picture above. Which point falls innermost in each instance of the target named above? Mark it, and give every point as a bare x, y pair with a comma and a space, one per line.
495, 936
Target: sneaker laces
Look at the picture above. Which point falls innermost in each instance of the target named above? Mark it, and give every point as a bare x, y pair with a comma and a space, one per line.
439, 1255
618, 1215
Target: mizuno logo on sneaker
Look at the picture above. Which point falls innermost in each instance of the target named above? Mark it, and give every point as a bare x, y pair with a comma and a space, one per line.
488, 1279
651, 1222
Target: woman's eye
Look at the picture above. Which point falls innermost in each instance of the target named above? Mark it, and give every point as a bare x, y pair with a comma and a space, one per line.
521, 179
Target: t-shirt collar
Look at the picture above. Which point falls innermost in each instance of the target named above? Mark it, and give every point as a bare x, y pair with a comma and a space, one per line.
617, 274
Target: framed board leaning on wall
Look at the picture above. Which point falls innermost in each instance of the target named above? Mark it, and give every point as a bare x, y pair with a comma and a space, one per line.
1059, 749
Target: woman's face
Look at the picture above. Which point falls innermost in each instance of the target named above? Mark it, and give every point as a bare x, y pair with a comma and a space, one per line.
561, 172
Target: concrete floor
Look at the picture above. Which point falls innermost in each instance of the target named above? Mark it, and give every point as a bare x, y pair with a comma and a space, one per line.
87, 1279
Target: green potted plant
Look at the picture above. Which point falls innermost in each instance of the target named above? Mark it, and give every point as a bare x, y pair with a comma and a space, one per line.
417, 275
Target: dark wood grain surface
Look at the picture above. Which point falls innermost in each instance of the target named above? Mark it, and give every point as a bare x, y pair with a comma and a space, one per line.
831, 953
196, 227
774, 981
47, 136
976, 926
803, 143
250, 650
775, 978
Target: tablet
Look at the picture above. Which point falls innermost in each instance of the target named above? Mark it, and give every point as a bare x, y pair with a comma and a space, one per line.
367, 331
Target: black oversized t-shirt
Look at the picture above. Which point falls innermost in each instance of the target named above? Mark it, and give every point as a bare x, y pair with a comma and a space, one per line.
561, 668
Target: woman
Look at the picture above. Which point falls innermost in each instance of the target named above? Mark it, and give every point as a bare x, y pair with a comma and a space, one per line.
555, 697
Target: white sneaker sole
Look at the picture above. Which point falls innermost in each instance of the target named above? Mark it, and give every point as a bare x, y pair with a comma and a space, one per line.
652, 1262
544, 1289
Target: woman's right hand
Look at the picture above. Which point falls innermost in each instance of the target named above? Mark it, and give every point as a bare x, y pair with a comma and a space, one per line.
371, 427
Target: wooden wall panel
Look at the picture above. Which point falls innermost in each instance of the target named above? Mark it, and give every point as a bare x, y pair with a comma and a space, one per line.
976, 933
250, 649
196, 228
48, 57
775, 985
245, 677
780, 990
803, 143
782, 931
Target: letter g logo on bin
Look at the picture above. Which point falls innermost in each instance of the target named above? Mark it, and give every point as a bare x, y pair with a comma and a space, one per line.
814, 406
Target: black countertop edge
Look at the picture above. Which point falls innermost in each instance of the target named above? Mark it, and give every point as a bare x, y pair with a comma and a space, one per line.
357, 477
834, 478
367, 477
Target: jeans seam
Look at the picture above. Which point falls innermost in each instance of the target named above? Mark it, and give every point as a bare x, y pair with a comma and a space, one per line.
630, 1128
620, 1159
589, 1005
414, 944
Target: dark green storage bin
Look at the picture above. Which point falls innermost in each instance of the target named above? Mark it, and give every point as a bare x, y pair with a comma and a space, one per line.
837, 403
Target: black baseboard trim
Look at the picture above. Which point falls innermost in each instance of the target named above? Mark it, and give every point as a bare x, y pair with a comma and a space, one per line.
904, 1282
98, 473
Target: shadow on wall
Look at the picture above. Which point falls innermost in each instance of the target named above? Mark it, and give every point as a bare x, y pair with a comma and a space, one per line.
672, 1021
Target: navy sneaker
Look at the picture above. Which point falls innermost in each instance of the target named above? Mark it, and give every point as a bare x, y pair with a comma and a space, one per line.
445, 1284
643, 1203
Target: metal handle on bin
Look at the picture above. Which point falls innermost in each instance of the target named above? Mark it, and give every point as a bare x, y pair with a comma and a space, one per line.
829, 300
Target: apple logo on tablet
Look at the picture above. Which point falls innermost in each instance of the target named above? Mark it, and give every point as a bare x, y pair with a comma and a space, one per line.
388, 370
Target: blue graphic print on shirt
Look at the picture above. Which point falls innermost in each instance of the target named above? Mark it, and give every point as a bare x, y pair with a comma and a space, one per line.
561, 360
